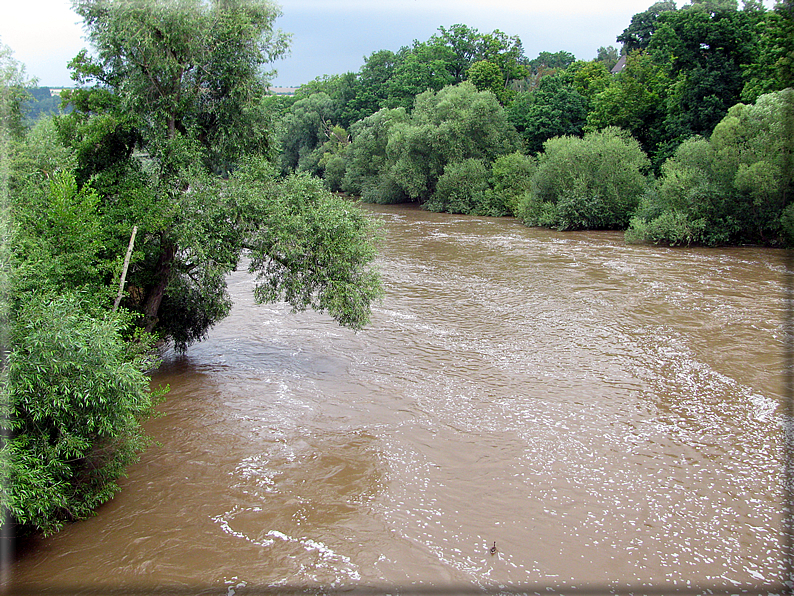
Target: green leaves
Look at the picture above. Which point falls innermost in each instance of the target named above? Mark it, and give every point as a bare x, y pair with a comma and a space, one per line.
75, 398
591, 183
734, 187
312, 249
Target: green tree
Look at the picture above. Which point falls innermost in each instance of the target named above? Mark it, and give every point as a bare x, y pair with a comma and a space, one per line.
557, 61
453, 125
511, 177
634, 101
735, 187
425, 66
705, 46
73, 384
554, 109
182, 86
367, 165
588, 78
73, 398
303, 130
372, 90
469, 46
638, 34
590, 183
13, 94
608, 56
487, 76
774, 68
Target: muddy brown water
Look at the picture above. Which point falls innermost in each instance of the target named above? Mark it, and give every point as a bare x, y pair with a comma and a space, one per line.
609, 415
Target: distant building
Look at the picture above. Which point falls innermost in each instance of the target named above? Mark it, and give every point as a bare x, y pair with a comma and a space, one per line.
282, 90
621, 64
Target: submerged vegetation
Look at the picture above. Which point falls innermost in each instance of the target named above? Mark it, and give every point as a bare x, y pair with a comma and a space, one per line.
172, 162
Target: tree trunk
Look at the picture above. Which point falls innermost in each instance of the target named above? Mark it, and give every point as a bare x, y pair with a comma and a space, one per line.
156, 293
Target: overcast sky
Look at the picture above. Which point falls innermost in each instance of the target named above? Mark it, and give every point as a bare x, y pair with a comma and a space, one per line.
334, 36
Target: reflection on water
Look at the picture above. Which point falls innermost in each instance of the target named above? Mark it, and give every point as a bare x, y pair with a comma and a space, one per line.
608, 414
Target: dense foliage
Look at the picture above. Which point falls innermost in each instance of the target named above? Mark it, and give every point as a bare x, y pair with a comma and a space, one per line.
594, 182
735, 187
172, 135
681, 70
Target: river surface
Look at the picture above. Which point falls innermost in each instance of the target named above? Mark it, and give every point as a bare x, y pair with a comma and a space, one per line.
609, 415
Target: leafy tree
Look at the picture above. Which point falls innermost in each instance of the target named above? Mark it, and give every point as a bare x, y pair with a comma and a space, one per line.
303, 131
557, 61
638, 34
425, 66
487, 76
13, 94
73, 385
73, 400
453, 125
705, 45
372, 90
588, 78
774, 68
367, 165
735, 187
182, 85
634, 101
590, 183
469, 46
555, 108
608, 56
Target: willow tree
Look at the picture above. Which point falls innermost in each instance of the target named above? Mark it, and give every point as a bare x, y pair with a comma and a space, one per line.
170, 109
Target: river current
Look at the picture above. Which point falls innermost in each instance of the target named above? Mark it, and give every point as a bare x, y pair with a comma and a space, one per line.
608, 415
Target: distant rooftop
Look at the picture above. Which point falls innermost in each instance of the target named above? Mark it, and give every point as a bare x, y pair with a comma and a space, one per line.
620, 65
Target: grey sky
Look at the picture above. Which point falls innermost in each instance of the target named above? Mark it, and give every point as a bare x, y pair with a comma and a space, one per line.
334, 36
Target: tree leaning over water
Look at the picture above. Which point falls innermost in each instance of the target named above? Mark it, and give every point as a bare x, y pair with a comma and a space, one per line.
174, 115
171, 137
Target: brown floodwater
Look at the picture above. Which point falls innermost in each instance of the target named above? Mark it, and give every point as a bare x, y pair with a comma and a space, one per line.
609, 415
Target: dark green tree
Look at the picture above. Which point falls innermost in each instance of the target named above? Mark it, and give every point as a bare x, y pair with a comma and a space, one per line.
425, 66
705, 46
638, 34
634, 101
555, 108
774, 68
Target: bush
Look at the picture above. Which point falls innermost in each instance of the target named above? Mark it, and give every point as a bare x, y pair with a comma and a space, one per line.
460, 188
74, 398
511, 176
732, 188
671, 227
592, 183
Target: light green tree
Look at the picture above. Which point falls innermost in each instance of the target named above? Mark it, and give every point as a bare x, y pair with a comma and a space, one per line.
453, 125
590, 183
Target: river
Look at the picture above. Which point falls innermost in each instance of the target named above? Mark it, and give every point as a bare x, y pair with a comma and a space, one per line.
608, 415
